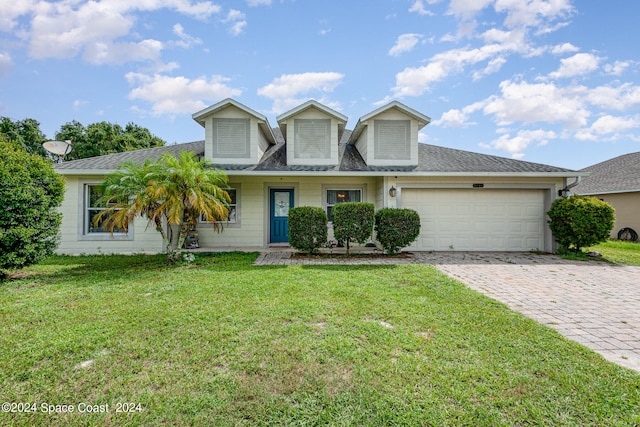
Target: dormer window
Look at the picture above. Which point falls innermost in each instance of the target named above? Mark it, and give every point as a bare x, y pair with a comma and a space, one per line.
231, 138
392, 139
312, 139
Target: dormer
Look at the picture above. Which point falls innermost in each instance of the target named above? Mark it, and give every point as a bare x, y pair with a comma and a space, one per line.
234, 133
312, 132
388, 136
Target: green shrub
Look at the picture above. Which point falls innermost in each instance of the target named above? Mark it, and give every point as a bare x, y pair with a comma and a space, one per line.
307, 228
396, 228
353, 222
29, 195
580, 221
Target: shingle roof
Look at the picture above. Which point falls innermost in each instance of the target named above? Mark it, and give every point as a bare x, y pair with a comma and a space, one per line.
618, 175
432, 159
110, 162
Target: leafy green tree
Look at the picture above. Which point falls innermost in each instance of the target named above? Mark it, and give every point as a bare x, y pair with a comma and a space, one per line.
102, 138
171, 192
580, 221
30, 194
26, 133
353, 222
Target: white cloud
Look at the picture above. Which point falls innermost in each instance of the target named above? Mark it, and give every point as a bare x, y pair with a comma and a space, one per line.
576, 65
6, 63
418, 7
11, 10
78, 103
608, 127
561, 49
516, 145
120, 53
543, 102
618, 98
179, 95
237, 20
533, 13
254, 3
467, 9
618, 67
405, 43
287, 90
416, 81
492, 67
95, 30
186, 41
455, 118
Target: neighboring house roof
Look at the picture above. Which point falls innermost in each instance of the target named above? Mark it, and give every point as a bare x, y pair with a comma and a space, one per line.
433, 160
618, 175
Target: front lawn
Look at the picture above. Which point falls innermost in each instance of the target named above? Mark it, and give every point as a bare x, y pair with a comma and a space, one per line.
619, 252
223, 343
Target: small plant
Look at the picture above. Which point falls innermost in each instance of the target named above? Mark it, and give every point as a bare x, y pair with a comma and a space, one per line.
353, 222
396, 228
307, 228
580, 221
330, 244
188, 257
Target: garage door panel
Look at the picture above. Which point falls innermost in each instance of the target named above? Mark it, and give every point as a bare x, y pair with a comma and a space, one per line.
477, 220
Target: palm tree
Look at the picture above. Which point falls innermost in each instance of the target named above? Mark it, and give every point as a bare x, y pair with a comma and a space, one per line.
171, 192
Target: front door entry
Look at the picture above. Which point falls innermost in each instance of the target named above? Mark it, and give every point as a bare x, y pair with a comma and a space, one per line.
280, 200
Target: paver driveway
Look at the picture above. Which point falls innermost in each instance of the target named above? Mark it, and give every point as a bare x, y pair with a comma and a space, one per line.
594, 303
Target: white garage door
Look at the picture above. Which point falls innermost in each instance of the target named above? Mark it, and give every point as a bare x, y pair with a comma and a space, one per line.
477, 220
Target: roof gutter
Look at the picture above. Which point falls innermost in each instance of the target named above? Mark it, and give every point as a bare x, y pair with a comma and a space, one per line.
566, 190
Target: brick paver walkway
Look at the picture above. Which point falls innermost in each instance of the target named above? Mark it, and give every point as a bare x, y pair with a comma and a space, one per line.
593, 303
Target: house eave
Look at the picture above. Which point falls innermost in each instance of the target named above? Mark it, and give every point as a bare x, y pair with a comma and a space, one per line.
101, 172
599, 193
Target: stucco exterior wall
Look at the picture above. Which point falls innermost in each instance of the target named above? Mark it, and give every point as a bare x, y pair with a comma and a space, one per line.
627, 206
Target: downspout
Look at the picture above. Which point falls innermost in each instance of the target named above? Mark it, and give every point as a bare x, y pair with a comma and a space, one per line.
566, 190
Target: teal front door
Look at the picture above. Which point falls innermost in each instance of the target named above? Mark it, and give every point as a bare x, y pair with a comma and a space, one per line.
279, 201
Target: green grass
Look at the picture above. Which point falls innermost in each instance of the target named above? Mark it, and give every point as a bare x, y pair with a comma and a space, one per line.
619, 252
221, 342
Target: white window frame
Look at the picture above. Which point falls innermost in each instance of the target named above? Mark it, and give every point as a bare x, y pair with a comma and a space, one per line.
236, 207
325, 195
84, 225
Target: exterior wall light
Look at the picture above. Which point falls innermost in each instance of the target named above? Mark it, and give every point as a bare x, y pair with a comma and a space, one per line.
392, 191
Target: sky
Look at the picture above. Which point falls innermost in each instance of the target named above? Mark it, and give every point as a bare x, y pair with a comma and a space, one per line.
548, 81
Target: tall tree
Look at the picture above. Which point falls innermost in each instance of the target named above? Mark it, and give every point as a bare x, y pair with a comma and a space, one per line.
30, 193
26, 133
102, 138
172, 193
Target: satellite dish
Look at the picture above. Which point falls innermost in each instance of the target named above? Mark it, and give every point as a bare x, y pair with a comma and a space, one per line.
59, 149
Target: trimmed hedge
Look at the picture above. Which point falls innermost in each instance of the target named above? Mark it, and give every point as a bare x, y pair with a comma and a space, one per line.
396, 228
307, 228
353, 222
580, 221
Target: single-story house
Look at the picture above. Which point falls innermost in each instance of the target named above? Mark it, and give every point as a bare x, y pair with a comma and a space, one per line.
617, 182
466, 201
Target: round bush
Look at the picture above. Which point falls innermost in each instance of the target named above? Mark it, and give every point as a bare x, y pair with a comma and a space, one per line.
353, 222
396, 228
307, 228
580, 221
